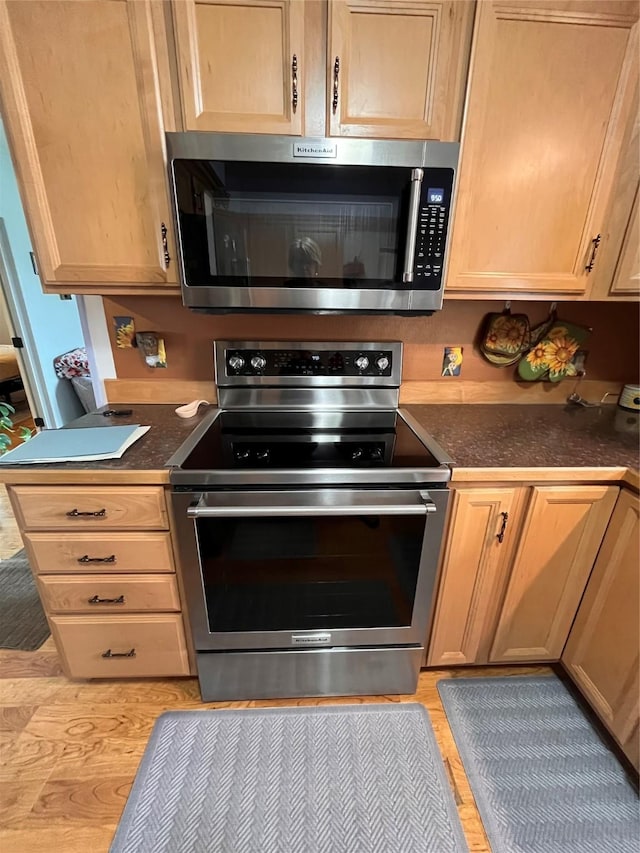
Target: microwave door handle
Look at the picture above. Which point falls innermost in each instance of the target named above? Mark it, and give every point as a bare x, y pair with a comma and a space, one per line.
412, 226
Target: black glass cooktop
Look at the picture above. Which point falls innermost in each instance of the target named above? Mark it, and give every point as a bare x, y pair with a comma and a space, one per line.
303, 440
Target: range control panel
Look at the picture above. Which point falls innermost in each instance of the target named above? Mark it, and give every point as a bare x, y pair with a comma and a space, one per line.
300, 362
433, 221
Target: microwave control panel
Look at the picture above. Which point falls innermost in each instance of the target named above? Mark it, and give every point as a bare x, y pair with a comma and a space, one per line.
433, 222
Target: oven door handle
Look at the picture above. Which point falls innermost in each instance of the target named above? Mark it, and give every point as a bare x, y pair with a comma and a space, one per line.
203, 510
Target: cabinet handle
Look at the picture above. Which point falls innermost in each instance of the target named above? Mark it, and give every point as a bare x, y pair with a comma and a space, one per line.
594, 249
88, 559
294, 82
336, 81
165, 246
505, 518
97, 600
109, 654
74, 513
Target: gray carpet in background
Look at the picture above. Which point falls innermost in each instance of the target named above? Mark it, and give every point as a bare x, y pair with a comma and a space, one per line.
22, 621
328, 779
543, 779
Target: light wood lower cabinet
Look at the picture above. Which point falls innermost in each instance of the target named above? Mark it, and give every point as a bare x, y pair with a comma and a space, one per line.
510, 585
108, 593
147, 551
602, 654
476, 563
111, 593
90, 508
121, 646
562, 532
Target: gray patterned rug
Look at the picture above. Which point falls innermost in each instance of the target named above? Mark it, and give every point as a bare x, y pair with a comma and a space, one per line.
543, 779
328, 779
22, 621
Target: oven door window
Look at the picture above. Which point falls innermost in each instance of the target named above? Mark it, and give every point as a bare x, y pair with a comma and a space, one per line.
291, 225
305, 573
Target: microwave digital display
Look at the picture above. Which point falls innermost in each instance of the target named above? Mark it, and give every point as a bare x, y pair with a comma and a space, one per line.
435, 196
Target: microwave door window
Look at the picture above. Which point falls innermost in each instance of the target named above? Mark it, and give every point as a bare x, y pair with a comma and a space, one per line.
294, 225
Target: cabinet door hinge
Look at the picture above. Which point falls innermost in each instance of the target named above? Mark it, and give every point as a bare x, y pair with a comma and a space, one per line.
17, 343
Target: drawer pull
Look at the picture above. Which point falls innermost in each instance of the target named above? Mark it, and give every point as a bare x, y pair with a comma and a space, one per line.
74, 513
109, 654
88, 559
97, 600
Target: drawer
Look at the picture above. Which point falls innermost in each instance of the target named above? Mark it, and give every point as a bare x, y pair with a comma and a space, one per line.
125, 552
90, 507
108, 593
121, 646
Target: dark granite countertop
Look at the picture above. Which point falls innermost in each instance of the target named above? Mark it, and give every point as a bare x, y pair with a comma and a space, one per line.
149, 453
533, 436
474, 435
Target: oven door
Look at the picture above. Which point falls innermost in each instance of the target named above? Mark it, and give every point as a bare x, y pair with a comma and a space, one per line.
317, 568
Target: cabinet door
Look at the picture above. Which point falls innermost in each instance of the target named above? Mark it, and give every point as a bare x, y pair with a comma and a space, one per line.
626, 279
550, 94
398, 67
561, 535
602, 654
236, 64
78, 82
474, 573
616, 275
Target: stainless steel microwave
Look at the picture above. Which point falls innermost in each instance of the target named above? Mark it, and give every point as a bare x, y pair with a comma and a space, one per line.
281, 223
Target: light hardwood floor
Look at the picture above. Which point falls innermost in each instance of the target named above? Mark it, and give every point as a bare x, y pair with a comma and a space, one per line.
69, 750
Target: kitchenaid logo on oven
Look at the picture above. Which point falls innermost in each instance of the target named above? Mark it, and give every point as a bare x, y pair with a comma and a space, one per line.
317, 639
320, 149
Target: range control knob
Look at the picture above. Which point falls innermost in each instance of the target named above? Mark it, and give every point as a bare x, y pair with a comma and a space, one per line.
236, 362
242, 454
258, 362
362, 362
263, 455
382, 363
356, 454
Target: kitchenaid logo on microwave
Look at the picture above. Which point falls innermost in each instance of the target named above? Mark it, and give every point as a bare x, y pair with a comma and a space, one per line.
317, 639
315, 149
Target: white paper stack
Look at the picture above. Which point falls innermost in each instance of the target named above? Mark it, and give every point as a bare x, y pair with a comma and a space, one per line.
86, 444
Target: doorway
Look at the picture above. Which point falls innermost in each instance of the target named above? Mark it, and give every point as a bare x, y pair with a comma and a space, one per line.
14, 385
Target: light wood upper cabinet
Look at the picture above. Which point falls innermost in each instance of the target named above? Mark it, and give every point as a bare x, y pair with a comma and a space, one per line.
562, 532
79, 91
236, 64
550, 95
616, 275
397, 69
602, 654
267, 66
479, 550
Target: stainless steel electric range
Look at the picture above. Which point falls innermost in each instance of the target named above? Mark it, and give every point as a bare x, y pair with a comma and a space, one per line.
310, 513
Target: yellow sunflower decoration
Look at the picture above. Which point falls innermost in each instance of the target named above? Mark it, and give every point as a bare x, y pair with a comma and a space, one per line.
552, 357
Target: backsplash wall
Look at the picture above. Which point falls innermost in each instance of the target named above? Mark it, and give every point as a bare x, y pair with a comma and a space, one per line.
613, 346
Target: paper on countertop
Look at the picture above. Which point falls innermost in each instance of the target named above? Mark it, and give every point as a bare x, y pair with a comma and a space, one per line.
84, 444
